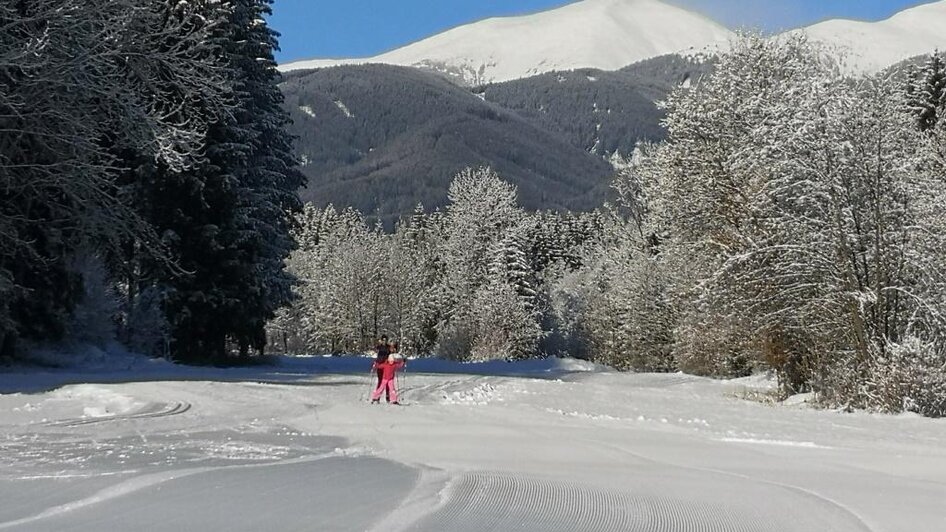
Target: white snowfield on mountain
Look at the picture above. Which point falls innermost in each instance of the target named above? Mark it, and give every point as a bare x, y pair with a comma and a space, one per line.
869, 47
603, 34
611, 34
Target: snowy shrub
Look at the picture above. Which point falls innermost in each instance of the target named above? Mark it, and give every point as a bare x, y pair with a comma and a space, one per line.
505, 328
909, 376
790, 357
712, 345
918, 369
455, 340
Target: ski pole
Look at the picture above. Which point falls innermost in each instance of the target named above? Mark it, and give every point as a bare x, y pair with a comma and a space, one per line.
371, 384
404, 380
397, 387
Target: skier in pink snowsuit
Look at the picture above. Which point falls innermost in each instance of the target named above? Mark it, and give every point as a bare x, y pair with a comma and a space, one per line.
388, 370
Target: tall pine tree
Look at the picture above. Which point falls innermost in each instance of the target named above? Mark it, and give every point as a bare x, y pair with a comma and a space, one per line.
269, 177
226, 218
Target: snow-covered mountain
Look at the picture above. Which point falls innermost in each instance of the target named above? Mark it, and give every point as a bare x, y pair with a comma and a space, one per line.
869, 47
611, 34
603, 34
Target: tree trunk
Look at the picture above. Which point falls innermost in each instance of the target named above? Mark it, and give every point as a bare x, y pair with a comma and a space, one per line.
846, 258
7, 344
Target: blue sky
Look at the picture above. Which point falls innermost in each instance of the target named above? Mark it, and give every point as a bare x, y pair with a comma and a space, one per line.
358, 28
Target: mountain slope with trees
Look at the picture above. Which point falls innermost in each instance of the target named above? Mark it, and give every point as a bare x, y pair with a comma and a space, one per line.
383, 138
603, 112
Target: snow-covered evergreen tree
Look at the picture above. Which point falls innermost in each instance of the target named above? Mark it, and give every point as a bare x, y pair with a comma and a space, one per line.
482, 210
927, 93
511, 265
194, 209
269, 175
225, 217
344, 302
413, 272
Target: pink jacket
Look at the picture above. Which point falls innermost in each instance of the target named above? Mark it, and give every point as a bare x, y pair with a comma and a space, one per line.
388, 368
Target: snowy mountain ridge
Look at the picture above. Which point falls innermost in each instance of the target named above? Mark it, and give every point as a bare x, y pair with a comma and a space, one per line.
611, 34
869, 47
603, 34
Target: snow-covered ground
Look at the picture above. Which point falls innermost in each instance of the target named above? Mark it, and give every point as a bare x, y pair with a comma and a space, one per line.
549, 445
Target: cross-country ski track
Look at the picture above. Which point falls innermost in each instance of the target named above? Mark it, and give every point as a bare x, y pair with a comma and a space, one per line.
535, 446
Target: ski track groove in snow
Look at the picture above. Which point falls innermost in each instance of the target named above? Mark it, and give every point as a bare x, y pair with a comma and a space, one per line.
132, 485
498, 501
828, 515
507, 501
153, 411
491, 501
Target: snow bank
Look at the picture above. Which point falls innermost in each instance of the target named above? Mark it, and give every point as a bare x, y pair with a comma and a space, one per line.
113, 357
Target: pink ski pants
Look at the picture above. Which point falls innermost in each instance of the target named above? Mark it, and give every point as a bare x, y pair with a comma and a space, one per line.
385, 383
